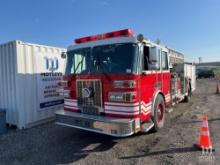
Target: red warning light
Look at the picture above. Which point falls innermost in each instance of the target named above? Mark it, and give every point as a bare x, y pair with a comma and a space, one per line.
120, 33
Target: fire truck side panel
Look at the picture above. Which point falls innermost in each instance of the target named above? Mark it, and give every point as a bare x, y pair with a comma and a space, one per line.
166, 87
147, 91
152, 83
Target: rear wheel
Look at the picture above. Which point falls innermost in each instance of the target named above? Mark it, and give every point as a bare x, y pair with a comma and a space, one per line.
159, 113
188, 97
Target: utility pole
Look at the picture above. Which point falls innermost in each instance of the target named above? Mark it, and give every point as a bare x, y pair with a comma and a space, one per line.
200, 60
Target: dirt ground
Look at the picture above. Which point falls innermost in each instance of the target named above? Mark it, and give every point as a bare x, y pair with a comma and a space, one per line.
51, 144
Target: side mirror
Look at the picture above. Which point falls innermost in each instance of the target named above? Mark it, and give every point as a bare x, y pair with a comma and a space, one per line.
153, 66
144, 72
171, 66
153, 55
63, 55
153, 58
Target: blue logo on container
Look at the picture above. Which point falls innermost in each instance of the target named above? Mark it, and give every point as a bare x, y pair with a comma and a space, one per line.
51, 64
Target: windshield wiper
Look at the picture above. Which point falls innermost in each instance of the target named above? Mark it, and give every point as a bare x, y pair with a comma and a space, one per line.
80, 64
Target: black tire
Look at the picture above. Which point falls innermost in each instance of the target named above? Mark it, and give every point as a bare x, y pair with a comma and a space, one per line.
159, 120
188, 97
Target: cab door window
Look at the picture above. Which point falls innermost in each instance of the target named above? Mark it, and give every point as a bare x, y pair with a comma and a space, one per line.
158, 63
164, 61
146, 53
148, 64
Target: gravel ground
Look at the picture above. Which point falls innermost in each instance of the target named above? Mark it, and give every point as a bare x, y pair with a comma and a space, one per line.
51, 144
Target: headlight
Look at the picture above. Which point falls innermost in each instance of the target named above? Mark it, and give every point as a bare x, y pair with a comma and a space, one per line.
61, 84
125, 84
63, 92
122, 96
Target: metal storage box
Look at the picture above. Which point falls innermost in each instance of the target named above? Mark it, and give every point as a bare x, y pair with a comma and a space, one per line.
190, 71
186, 70
28, 80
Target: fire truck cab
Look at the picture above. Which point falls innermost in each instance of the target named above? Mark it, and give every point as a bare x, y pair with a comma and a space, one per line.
118, 84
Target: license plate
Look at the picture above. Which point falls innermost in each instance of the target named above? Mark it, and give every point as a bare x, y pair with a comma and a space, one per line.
90, 110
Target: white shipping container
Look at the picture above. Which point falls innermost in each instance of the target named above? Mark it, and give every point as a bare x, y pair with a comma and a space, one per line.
28, 79
190, 71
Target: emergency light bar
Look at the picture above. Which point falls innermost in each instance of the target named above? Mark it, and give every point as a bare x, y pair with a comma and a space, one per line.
120, 33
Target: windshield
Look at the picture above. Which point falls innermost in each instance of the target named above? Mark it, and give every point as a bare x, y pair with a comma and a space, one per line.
115, 58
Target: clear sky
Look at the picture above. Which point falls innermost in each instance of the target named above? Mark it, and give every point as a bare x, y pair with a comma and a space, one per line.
190, 26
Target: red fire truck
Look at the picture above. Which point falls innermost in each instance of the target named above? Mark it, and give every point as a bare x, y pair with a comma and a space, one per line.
119, 84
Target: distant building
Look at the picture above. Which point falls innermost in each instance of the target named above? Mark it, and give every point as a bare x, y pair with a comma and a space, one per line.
208, 64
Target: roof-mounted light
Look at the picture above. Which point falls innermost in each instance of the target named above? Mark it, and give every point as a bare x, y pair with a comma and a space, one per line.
140, 37
120, 33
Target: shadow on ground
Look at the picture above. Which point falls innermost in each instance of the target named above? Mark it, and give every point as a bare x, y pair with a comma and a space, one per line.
169, 151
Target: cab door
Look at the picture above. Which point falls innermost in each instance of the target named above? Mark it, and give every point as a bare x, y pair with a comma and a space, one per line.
159, 82
149, 80
165, 76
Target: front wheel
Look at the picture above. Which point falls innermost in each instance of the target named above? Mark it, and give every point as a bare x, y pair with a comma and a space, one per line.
188, 97
159, 113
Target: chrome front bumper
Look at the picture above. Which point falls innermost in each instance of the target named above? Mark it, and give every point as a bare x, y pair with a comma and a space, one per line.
99, 124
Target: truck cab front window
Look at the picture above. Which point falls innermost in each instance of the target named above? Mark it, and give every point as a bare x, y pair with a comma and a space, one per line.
114, 58
77, 61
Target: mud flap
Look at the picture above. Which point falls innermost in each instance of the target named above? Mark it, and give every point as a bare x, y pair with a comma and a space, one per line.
146, 126
169, 110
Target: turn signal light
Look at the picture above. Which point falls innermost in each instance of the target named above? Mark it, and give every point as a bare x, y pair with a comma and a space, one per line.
125, 84
62, 83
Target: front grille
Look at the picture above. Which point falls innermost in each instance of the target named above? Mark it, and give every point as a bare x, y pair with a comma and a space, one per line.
93, 103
